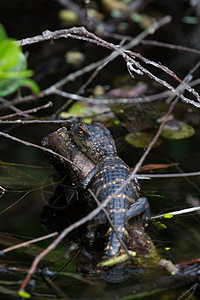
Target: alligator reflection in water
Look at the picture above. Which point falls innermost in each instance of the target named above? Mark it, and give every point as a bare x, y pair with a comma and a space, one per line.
139, 242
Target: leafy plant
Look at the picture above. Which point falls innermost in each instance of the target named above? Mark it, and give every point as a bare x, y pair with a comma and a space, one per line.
13, 67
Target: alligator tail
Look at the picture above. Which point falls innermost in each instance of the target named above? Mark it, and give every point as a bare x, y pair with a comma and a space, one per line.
113, 245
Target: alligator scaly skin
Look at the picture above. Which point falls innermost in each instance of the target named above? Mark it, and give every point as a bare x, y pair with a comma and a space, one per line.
105, 179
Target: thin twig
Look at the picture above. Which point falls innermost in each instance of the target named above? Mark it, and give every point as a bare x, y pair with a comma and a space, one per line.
9, 105
6, 135
184, 85
84, 85
177, 212
28, 111
136, 100
49, 35
71, 77
13, 204
170, 46
173, 175
109, 101
164, 83
190, 262
22, 122
129, 57
82, 34
27, 243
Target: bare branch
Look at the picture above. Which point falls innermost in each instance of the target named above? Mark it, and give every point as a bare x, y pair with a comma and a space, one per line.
170, 46
71, 77
173, 175
32, 110
49, 35
22, 122
27, 243
177, 212
81, 33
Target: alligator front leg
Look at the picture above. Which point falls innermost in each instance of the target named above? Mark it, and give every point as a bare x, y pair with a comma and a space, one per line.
86, 181
141, 206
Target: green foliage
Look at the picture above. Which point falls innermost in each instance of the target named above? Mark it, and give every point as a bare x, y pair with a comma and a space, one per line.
3, 34
13, 67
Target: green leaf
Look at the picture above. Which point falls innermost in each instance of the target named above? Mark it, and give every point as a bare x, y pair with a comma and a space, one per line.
7, 87
31, 84
21, 64
9, 54
16, 75
3, 34
13, 67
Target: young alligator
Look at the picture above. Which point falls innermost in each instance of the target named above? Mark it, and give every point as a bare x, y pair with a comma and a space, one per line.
106, 178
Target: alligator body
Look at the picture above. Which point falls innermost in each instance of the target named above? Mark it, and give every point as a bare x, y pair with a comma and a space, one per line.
105, 179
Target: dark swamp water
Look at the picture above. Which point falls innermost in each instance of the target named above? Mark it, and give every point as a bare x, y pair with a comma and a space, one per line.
176, 239
27, 175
